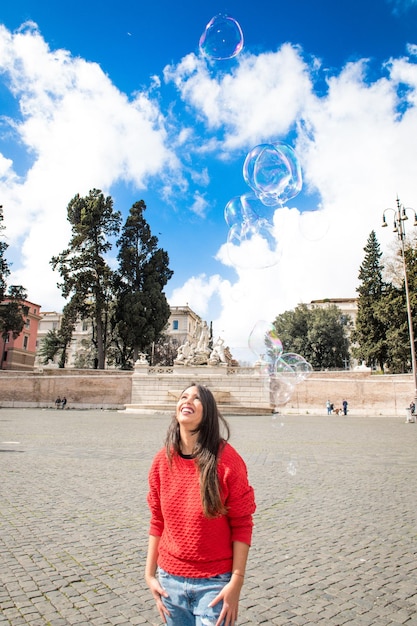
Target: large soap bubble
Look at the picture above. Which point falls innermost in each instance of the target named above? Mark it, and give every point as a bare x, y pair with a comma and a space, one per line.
280, 390
222, 38
273, 171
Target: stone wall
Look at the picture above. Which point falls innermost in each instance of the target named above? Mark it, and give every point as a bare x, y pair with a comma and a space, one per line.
365, 392
238, 391
84, 389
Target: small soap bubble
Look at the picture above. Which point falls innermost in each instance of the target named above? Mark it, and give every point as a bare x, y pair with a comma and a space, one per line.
222, 38
292, 468
301, 368
276, 423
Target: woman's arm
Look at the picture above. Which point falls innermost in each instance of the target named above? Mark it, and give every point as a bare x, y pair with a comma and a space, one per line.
150, 576
230, 593
240, 557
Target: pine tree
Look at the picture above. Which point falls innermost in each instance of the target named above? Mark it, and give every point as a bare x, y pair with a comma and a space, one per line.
86, 276
393, 309
142, 310
370, 334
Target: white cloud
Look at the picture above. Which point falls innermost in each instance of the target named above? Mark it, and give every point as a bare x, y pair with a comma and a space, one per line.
357, 147
402, 6
199, 205
197, 292
262, 97
80, 132
356, 144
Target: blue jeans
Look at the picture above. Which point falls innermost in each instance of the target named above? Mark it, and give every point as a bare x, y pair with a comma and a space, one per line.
189, 599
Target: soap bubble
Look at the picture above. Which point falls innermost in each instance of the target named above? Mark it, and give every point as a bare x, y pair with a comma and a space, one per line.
233, 212
281, 371
273, 171
222, 38
251, 244
252, 205
274, 175
299, 365
292, 468
266, 171
280, 390
247, 207
265, 343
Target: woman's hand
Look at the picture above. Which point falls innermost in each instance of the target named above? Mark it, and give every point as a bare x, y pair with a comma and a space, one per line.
158, 593
230, 595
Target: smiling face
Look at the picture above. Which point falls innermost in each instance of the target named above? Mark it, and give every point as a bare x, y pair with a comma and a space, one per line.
189, 409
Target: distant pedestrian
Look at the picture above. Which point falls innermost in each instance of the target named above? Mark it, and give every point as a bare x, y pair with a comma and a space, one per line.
345, 407
63, 402
328, 407
58, 402
412, 408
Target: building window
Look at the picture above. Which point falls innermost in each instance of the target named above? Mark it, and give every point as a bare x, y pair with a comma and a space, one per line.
54, 325
27, 323
85, 326
175, 325
25, 342
7, 338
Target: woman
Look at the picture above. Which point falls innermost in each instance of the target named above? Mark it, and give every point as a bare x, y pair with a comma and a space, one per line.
201, 518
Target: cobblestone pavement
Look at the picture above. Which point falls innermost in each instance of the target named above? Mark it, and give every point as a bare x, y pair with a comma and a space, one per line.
335, 539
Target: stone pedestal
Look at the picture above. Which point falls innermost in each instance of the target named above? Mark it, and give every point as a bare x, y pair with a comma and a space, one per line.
196, 371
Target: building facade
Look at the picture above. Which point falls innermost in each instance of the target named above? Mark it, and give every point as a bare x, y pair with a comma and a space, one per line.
20, 353
348, 306
81, 339
183, 325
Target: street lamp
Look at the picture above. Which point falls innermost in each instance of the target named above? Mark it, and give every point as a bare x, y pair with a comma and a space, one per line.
400, 216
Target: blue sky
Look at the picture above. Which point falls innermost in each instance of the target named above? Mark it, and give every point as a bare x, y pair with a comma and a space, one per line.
117, 96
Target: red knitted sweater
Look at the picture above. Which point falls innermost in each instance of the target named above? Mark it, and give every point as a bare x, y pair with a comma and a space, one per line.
192, 545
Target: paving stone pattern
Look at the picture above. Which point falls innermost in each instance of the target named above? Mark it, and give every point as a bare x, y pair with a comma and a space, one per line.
335, 538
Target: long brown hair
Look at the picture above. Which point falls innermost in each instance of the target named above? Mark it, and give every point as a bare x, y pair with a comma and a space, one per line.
208, 445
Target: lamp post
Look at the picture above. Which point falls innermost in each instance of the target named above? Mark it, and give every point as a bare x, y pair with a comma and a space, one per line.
400, 216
